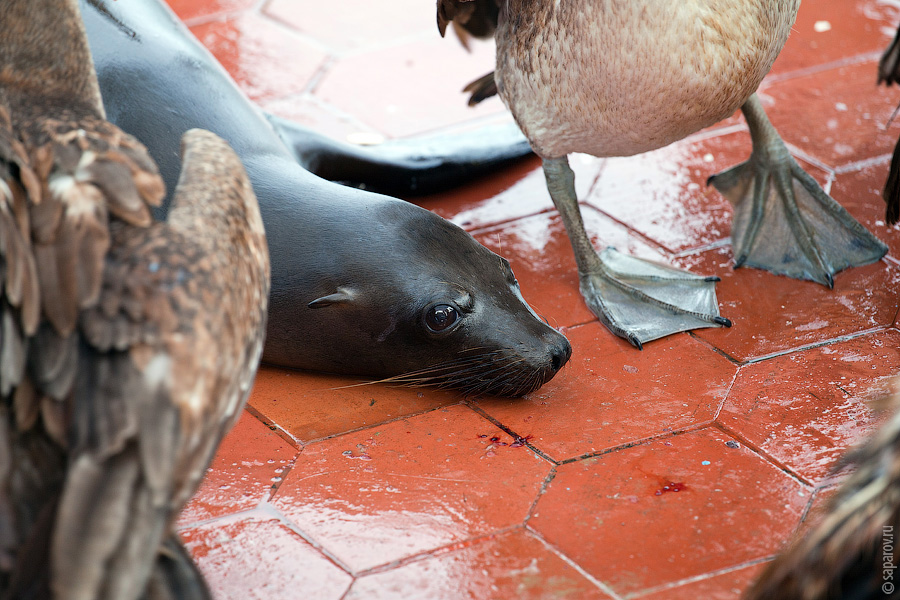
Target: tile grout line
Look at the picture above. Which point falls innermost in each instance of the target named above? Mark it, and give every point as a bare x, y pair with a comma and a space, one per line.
640, 442
565, 558
696, 578
766, 456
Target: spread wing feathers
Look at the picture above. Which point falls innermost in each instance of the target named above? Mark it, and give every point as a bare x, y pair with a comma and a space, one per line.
19, 297
88, 169
165, 362
470, 18
842, 555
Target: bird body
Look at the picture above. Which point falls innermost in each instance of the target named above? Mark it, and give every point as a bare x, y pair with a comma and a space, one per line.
616, 78
127, 346
620, 77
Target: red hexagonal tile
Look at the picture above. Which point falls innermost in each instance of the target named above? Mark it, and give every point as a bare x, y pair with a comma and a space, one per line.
860, 193
311, 406
256, 557
512, 194
773, 314
408, 487
663, 194
509, 565
831, 31
353, 25
189, 10
724, 586
805, 409
669, 509
611, 394
265, 60
249, 461
369, 86
837, 116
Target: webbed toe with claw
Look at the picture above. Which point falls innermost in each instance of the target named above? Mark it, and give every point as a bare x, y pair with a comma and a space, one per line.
784, 222
641, 300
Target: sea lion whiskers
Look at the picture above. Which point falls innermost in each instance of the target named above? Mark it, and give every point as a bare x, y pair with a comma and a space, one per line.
500, 372
503, 374
421, 377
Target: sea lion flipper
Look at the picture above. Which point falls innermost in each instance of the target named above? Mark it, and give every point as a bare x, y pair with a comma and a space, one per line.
404, 167
340, 296
784, 221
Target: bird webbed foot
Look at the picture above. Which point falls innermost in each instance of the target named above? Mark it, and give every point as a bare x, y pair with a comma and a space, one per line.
642, 301
784, 222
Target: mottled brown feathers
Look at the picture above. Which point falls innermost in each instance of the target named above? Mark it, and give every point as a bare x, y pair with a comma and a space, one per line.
127, 347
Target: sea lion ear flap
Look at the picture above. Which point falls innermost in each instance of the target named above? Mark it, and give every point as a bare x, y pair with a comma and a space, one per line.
343, 295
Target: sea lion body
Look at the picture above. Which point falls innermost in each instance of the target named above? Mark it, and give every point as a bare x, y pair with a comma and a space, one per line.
353, 273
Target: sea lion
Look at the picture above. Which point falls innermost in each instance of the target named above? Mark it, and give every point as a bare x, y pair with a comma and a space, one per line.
361, 283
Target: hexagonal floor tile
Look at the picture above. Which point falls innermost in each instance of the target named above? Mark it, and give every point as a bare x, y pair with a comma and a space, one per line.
362, 85
249, 461
860, 193
256, 557
831, 31
510, 565
773, 314
836, 116
397, 490
266, 61
311, 406
669, 509
514, 193
806, 408
189, 10
725, 586
353, 25
663, 194
611, 394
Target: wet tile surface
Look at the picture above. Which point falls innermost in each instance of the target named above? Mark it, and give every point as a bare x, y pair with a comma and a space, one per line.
674, 472
511, 565
804, 408
412, 486
668, 510
247, 465
256, 556
612, 395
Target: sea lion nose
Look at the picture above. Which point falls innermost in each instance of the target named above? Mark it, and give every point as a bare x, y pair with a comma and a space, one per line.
560, 352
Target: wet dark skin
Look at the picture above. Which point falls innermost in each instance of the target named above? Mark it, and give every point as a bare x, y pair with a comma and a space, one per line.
358, 278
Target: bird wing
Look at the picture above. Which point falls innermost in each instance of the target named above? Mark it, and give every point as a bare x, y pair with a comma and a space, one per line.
165, 361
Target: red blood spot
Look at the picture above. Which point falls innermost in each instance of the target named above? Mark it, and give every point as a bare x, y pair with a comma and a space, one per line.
671, 487
520, 441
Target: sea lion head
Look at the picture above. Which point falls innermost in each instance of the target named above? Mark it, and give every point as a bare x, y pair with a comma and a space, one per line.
424, 304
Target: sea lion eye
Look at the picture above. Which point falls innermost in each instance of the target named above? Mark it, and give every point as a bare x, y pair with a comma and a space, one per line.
440, 317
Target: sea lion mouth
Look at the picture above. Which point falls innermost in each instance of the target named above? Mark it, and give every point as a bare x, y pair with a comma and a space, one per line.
493, 373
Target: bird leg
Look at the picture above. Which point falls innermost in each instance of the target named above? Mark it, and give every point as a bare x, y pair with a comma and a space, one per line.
636, 299
783, 221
